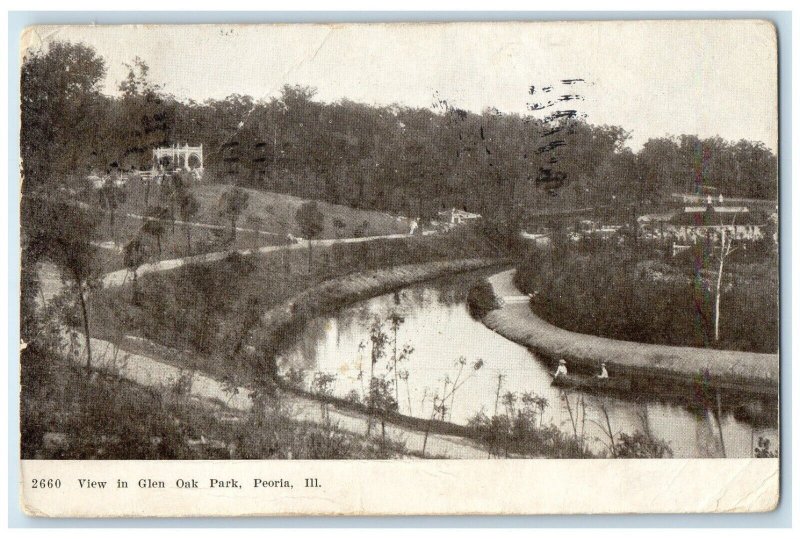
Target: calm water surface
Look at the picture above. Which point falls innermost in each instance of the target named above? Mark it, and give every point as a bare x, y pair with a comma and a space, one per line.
437, 324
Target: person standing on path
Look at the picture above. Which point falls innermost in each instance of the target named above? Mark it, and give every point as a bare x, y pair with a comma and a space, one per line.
414, 226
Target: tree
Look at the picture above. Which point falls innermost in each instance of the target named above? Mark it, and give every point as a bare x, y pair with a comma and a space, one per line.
322, 385
172, 188
312, 222
725, 249
234, 201
61, 108
396, 321
143, 117
136, 82
339, 225
111, 197
63, 233
134, 256
188, 207
154, 224
379, 340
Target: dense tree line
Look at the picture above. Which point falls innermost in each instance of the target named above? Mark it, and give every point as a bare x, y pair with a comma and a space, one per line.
410, 160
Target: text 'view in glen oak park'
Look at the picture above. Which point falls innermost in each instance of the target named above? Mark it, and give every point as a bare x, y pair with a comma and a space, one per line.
404, 269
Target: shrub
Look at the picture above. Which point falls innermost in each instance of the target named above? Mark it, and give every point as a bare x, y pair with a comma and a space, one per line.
481, 299
638, 295
66, 414
640, 446
518, 433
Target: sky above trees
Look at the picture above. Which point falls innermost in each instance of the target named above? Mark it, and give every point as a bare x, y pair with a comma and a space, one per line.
408, 160
654, 78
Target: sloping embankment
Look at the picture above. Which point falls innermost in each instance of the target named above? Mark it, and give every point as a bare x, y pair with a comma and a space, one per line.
650, 365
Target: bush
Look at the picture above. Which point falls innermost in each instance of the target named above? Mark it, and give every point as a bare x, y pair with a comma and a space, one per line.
481, 299
518, 433
633, 295
270, 433
65, 414
641, 446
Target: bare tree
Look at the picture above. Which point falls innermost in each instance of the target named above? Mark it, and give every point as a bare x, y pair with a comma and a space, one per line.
111, 197
396, 320
379, 340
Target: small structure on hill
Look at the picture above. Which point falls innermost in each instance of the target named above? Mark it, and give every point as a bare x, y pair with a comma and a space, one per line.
590, 228
178, 156
454, 216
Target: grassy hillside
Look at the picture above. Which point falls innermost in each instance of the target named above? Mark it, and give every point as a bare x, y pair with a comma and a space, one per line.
267, 220
204, 308
275, 212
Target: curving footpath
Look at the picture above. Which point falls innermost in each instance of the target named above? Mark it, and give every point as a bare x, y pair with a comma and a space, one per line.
119, 277
651, 364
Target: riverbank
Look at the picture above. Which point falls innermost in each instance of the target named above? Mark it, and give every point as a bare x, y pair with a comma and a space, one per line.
636, 293
281, 323
650, 366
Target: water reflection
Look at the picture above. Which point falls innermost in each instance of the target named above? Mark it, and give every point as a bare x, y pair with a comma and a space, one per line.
447, 343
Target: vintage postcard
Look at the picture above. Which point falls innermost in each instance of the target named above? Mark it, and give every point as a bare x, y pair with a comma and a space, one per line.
366, 269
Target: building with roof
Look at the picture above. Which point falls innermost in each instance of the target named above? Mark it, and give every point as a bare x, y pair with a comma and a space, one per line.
454, 216
694, 221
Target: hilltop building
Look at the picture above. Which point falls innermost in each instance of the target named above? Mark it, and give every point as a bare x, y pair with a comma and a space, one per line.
457, 217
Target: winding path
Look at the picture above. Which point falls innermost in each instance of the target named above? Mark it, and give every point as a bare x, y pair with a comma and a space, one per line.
151, 372
119, 277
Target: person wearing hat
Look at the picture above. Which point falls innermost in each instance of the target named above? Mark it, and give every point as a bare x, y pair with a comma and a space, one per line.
561, 370
603, 371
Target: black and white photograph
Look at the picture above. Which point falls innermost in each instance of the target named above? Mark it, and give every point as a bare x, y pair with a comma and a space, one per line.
485, 241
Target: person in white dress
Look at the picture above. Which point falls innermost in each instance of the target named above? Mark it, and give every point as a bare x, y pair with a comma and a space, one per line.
561, 370
603, 371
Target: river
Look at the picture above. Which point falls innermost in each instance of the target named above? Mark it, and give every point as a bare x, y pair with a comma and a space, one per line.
447, 342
